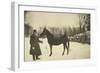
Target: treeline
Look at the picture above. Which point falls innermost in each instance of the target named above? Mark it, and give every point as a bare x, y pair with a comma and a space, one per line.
27, 30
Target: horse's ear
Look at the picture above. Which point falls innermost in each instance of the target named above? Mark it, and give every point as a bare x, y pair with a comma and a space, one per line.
45, 27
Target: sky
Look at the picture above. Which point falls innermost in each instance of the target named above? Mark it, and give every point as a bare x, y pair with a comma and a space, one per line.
51, 19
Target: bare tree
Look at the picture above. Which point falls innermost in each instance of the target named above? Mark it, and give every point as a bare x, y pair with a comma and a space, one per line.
84, 22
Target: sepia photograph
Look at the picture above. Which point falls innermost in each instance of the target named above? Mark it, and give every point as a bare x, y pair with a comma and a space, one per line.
50, 36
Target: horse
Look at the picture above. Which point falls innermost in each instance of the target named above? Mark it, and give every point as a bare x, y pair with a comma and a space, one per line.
52, 40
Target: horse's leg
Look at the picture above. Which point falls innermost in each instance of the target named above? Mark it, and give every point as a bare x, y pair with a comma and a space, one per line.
64, 49
67, 46
50, 50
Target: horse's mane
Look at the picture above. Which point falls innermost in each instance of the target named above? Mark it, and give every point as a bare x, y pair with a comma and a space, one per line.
53, 35
49, 33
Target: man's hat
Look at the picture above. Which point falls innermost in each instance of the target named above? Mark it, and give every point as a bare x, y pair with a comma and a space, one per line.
34, 30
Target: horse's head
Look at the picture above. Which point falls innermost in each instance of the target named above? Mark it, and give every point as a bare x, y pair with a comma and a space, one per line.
44, 32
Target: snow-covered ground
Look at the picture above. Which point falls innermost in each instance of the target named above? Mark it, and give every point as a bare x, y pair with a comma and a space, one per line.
77, 51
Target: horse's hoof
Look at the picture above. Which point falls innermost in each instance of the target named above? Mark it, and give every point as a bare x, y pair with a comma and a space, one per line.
62, 54
67, 53
50, 55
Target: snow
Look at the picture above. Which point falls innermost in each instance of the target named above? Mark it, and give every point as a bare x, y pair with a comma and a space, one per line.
77, 51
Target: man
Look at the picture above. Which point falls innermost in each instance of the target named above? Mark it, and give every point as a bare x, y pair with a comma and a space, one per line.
34, 46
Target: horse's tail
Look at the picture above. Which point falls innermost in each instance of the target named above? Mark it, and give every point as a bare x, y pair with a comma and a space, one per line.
67, 40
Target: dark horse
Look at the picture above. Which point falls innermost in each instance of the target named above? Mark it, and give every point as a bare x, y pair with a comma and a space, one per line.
52, 40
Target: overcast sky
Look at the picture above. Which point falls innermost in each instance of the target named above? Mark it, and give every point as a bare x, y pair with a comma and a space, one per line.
39, 19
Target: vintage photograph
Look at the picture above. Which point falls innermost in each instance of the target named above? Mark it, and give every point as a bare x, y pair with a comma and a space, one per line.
56, 36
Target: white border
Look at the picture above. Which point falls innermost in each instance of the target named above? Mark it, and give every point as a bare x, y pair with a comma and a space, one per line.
18, 37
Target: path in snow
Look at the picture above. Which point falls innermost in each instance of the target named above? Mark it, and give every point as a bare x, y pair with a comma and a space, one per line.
77, 51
